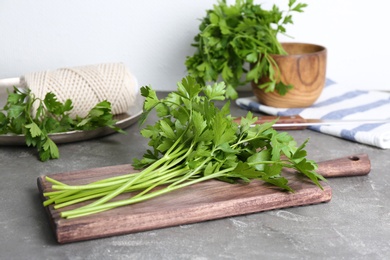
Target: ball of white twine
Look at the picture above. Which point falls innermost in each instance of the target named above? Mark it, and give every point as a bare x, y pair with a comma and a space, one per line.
86, 86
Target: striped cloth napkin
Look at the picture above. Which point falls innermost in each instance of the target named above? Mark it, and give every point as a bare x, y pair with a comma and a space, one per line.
340, 102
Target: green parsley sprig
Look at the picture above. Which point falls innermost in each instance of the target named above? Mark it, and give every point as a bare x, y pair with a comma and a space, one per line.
233, 36
192, 141
50, 116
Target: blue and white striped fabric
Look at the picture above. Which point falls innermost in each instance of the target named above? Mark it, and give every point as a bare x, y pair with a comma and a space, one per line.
338, 102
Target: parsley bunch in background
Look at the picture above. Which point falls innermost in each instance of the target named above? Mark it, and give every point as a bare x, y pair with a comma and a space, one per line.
231, 37
51, 116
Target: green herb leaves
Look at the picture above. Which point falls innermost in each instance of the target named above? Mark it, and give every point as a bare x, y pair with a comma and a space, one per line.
231, 37
192, 141
24, 114
190, 120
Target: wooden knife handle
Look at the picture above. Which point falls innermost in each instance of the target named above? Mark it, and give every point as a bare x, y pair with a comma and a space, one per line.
353, 165
281, 120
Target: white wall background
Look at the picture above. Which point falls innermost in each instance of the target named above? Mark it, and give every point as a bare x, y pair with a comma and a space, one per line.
153, 37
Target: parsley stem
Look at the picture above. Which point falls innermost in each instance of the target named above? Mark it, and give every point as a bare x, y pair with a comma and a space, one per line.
110, 205
84, 196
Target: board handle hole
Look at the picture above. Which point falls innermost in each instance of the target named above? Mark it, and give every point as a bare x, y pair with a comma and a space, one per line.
354, 158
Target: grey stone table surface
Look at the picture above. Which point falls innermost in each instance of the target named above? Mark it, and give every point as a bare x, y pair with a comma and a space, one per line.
355, 224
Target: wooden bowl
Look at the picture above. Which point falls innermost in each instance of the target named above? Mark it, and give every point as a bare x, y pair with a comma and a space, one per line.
305, 68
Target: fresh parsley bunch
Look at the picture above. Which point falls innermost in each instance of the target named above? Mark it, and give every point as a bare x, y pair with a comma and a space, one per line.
192, 141
51, 116
231, 37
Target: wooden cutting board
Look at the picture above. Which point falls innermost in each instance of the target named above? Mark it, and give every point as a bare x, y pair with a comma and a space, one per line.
200, 202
